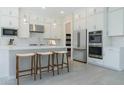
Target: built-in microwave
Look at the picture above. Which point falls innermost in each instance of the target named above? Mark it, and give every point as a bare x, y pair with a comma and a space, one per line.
9, 32
95, 37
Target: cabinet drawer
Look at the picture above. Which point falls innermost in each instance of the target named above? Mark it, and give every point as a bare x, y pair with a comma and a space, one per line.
9, 11
10, 22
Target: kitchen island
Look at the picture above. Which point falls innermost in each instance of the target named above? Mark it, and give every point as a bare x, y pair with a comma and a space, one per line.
8, 58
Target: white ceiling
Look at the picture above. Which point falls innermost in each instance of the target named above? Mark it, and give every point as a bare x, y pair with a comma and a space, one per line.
53, 11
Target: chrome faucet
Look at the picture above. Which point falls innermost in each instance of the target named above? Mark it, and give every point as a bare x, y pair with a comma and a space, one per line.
11, 42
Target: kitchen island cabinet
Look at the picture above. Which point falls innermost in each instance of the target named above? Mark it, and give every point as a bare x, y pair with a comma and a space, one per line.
8, 58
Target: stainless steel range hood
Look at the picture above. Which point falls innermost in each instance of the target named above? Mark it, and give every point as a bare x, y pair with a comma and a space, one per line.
36, 28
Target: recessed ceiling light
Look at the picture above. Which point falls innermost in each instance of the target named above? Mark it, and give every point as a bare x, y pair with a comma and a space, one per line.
61, 12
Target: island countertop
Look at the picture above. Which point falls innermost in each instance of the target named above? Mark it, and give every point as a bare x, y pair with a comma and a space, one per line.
29, 47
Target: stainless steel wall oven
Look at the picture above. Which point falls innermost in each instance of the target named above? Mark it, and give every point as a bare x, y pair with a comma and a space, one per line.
95, 52
95, 45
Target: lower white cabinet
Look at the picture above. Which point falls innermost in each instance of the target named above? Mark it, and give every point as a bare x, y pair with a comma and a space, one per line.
114, 58
4, 58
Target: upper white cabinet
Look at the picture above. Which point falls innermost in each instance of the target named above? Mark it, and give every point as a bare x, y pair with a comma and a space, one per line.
116, 22
80, 19
9, 11
80, 24
91, 25
94, 10
9, 17
23, 25
99, 20
24, 31
34, 19
95, 22
110, 9
8, 22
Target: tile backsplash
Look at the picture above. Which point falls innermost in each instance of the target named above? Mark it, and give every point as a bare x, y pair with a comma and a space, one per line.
35, 38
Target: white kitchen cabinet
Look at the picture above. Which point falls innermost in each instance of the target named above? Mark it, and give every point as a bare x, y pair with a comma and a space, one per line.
113, 58
116, 23
99, 21
23, 27
95, 22
90, 11
9, 11
79, 24
99, 10
32, 19
24, 31
4, 58
94, 10
110, 9
91, 25
8, 22
36, 20
47, 31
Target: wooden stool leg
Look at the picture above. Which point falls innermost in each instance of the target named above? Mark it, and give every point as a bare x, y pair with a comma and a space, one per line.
57, 63
48, 63
31, 65
67, 62
17, 69
53, 63
34, 68
40, 67
62, 60
37, 63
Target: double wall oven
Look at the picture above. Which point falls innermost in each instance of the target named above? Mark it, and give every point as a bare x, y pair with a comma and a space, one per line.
95, 44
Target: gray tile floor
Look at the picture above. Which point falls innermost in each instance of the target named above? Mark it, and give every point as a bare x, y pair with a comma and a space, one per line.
80, 74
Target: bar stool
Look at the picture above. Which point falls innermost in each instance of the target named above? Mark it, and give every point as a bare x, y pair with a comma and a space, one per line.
62, 64
32, 69
39, 62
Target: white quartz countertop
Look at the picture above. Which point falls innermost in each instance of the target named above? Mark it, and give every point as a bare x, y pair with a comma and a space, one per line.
29, 47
